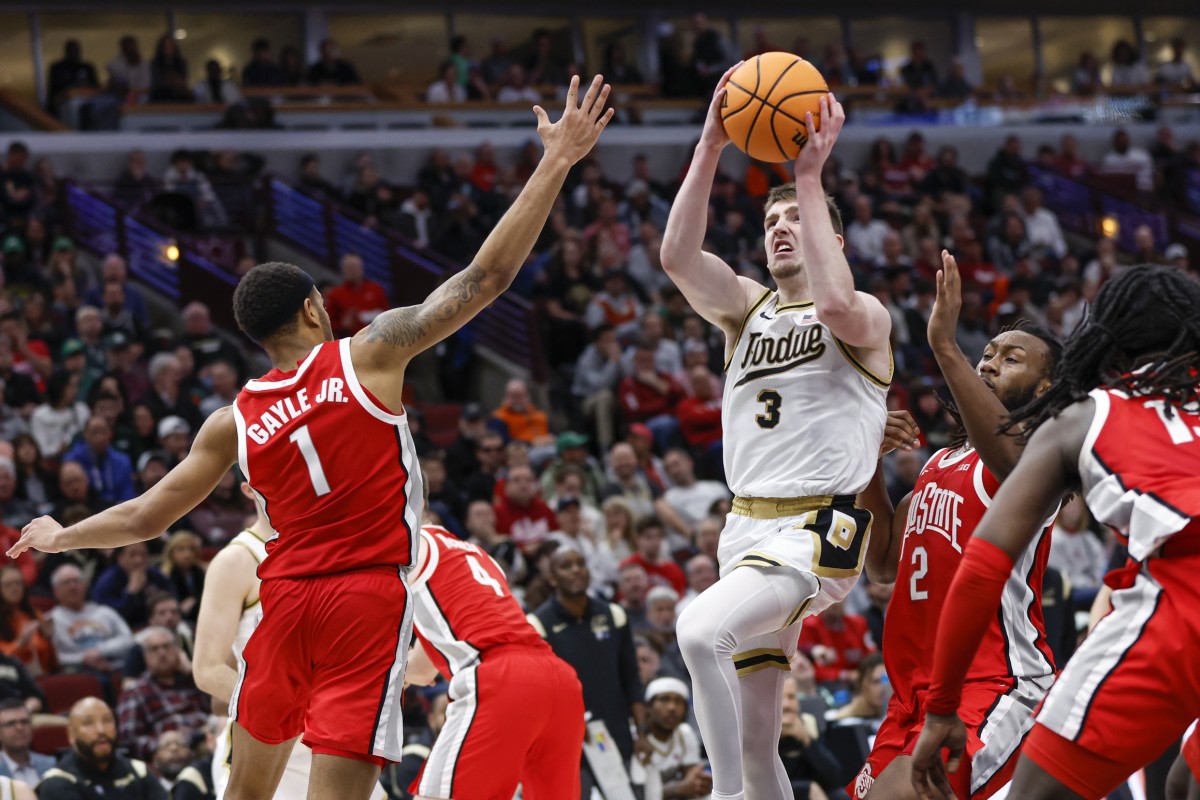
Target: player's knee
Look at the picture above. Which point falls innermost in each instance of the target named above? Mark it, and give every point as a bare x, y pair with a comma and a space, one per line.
697, 633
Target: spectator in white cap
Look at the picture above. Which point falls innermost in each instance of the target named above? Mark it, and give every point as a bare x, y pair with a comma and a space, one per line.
175, 436
660, 617
673, 768
1177, 256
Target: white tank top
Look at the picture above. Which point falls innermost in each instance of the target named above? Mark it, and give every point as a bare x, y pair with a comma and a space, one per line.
801, 415
251, 611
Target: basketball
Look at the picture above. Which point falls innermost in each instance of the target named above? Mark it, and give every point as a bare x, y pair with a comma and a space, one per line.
765, 102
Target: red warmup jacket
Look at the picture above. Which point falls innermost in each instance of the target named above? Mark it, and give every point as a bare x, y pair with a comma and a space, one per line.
639, 402
851, 642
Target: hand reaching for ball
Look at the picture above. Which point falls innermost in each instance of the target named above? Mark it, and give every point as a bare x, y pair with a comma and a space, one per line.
714, 134
816, 150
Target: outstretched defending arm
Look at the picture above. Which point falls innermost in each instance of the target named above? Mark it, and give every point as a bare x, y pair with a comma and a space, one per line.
710, 285
148, 515
401, 333
857, 318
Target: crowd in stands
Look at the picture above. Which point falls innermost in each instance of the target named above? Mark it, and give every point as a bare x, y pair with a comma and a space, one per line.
603, 497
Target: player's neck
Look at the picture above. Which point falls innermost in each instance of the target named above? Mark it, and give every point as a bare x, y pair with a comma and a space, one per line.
794, 290
286, 355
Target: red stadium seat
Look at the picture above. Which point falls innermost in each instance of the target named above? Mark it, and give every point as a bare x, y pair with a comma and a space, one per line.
50, 739
63, 691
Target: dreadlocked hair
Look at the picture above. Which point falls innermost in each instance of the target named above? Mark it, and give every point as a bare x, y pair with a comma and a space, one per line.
1144, 317
1054, 353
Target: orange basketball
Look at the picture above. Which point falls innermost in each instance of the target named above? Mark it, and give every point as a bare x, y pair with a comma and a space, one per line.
765, 103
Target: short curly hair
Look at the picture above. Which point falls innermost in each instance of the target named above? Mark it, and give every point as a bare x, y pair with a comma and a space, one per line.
267, 299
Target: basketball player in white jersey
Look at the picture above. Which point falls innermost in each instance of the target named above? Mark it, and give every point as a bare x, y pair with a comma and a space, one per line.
803, 413
229, 612
15, 790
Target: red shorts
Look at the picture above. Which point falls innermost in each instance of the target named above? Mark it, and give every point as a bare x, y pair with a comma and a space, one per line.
1191, 753
998, 715
328, 660
514, 718
1133, 686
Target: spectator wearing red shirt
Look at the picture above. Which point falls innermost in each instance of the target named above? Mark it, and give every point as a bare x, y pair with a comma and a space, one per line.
354, 302
649, 396
483, 173
607, 220
700, 414
521, 514
652, 556
836, 642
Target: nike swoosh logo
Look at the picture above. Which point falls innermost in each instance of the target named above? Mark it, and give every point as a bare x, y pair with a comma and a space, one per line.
559, 628
763, 314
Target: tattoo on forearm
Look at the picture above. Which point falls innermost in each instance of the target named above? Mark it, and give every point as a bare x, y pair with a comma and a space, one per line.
405, 327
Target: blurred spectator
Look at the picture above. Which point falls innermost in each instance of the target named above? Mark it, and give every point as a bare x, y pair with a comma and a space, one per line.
24, 634
20, 391
75, 490
18, 191
654, 558
15, 512
865, 234
880, 595
1068, 161
649, 396
164, 697
629, 482
810, 766
595, 638
127, 586
1176, 255
1176, 73
480, 482
1006, 172
128, 74
1010, 244
837, 642
56, 422
447, 88
356, 301
602, 567
15, 684
164, 613
223, 513
668, 357
701, 572
70, 72
870, 691
674, 767
134, 186
521, 514
262, 69
516, 88
331, 68
522, 419
956, 86
416, 219
1075, 550
649, 658
460, 54
215, 87
1144, 246
690, 498
291, 65
223, 379
183, 177
311, 179
542, 67
374, 198
1125, 158
661, 604
110, 472
86, 635
184, 568
710, 54
572, 453
171, 756
919, 71
93, 761
617, 69
1085, 79
496, 65
1128, 69
169, 73
699, 413
17, 759
1041, 224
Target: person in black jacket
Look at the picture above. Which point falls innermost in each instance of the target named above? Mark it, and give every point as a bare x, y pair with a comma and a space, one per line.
811, 767
93, 768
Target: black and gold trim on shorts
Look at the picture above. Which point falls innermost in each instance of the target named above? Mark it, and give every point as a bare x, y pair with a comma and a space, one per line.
762, 658
839, 534
798, 614
850, 356
745, 321
757, 559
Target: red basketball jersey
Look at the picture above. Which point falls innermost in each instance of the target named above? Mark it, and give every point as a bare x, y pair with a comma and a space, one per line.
1140, 469
462, 606
951, 496
336, 473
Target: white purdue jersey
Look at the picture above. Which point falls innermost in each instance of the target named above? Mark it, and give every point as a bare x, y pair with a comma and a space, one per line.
801, 415
251, 613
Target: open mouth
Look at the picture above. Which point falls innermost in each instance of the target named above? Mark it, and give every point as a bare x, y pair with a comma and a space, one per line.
783, 247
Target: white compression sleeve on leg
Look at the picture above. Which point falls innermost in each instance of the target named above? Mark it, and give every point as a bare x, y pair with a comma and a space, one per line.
730, 615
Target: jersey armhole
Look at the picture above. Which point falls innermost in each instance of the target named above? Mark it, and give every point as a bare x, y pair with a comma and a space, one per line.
745, 321
431, 562
368, 402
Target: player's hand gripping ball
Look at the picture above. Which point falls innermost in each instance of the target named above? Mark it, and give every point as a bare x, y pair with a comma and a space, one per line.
765, 101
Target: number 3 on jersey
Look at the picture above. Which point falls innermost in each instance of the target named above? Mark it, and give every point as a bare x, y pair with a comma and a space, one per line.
771, 402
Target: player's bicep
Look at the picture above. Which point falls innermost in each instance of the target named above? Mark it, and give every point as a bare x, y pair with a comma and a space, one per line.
1033, 490
185, 486
449, 307
864, 323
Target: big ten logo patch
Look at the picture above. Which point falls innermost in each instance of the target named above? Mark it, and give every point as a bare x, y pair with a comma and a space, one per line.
863, 783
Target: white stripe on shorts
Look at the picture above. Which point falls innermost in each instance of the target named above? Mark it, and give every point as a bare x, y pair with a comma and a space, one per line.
389, 723
1006, 726
437, 777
